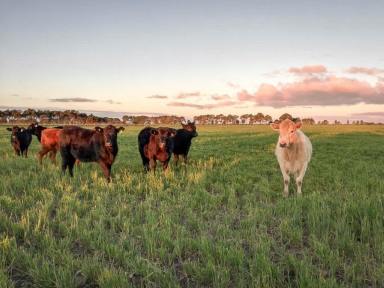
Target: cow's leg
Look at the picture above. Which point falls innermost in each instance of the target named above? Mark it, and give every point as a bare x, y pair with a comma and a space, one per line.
66, 158
71, 162
64, 164
300, 177
165, 165
145, 163
42, 153
152, 165
185, 156
52, 155
144, 159
26, 152
285, 178
106, 170
146, 166
176, 157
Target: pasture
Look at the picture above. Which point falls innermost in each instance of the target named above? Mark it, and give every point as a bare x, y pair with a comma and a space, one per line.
220, 222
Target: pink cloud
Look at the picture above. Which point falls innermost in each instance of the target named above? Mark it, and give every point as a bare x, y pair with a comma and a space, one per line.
188, 95
365, 70
316, 91
313, 69
157, 97
370, 114
220, 97
203, 106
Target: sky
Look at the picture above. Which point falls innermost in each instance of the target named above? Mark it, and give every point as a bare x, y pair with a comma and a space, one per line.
321, 59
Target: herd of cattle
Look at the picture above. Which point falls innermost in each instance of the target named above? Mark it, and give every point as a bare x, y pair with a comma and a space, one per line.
77, 144
100, 144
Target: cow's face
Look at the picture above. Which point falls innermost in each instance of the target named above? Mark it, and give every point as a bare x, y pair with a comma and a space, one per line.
15, 131
110, 135
287, 132
190, 127
162, 135
33, 126
36, 129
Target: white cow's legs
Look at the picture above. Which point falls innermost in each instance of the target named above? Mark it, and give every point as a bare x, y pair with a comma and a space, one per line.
285, 178
299, 178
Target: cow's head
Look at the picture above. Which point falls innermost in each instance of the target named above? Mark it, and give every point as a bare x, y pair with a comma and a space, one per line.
36, 129
287, 131
190, 127
15, 131
162, 135
110, 135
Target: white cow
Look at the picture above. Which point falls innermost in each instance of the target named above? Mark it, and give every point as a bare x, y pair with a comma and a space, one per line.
293, 152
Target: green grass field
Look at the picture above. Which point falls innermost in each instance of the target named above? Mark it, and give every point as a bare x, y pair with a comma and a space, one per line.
220, 222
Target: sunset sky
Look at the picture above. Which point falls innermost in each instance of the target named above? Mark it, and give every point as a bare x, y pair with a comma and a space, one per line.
323, 59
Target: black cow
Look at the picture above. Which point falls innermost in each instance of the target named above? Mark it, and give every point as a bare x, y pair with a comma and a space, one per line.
20, 140
183, 139
99, 145
156, 144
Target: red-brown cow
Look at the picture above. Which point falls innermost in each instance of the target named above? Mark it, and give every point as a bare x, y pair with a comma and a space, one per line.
156, 144
49, 143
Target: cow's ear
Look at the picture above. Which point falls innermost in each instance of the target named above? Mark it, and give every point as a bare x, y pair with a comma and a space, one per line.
275, 126
9, 129
120, 129
172, 133
154, 132
99, 129
298, 124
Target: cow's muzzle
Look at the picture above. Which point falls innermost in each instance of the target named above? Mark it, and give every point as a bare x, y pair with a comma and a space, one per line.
161, 145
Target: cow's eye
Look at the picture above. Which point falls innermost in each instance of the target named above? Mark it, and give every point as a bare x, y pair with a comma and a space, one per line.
292, 131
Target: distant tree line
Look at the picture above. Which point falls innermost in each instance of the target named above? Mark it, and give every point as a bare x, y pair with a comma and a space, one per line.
54, 117
73, 117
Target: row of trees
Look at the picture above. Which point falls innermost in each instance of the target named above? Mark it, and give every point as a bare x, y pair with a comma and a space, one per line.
51, 116
258, 118
138, 120
76, 117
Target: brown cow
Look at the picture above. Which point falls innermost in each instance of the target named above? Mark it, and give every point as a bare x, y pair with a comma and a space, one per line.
99, 145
